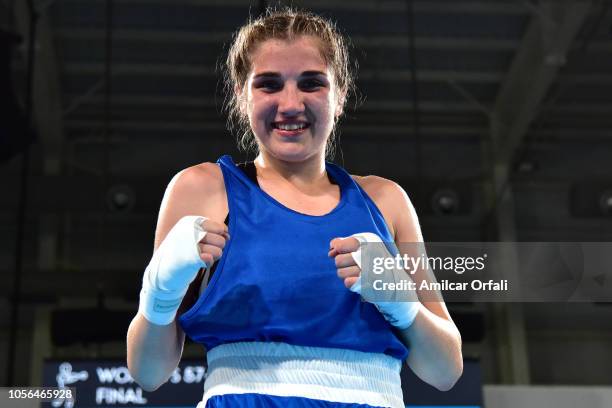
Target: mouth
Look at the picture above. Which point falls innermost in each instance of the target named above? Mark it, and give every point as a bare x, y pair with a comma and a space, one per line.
290, 128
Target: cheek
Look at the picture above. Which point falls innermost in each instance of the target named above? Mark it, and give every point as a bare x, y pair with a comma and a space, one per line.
258, 108
322, 104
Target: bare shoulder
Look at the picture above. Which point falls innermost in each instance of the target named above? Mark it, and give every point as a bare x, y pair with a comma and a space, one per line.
377, 186
389, 197
201, 178
196, 190
395, 205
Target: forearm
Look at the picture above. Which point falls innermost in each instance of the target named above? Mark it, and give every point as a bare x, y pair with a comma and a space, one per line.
153, 351
435, 349
433, 339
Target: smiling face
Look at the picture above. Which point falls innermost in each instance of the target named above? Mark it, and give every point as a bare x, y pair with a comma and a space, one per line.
291, 98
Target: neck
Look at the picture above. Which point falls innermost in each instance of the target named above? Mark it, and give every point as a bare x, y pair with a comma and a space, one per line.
307, 172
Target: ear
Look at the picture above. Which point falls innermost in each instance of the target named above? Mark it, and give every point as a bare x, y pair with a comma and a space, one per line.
340, 105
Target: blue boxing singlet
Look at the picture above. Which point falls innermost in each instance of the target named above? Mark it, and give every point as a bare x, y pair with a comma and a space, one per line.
280, 327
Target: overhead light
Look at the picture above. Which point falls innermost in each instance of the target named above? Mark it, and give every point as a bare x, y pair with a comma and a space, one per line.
605, 202
526, 166
120, 198
445, 201
591, 198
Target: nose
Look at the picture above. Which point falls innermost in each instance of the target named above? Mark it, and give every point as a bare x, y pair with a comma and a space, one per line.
291, 102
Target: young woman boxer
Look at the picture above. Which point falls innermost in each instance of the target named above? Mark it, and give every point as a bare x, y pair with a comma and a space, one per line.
281, 319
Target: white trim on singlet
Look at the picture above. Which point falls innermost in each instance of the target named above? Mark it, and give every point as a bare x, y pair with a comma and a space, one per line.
280, 369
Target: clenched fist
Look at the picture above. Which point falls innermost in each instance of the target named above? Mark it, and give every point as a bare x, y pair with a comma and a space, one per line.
347, 256
342, 249
192, 243
211, 246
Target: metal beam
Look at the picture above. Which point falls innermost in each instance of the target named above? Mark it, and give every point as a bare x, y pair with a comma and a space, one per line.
510, 336
545, 44
45, 286
424, 6
375, 41
195, 70
97, 69
586, 79
42, 345
534, 69
421, 6
603, 109
220, 126
47, 90
130, 100
506, 104
47, 114
143, 35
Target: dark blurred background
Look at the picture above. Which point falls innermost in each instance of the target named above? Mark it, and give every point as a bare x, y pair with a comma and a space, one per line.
495, 116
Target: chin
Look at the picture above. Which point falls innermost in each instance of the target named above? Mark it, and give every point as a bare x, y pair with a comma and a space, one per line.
291, 153
297, 150
291, 156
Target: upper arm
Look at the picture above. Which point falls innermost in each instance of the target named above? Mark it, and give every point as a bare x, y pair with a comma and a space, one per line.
155, 351
197, 190
403, 222
408, 230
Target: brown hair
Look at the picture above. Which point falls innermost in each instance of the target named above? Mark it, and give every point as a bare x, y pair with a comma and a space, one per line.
284, 24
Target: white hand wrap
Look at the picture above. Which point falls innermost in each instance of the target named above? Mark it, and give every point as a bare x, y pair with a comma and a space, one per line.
400, 313
173, 267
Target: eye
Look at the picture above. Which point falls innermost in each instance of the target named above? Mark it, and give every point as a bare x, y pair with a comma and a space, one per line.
311, 84
268, 85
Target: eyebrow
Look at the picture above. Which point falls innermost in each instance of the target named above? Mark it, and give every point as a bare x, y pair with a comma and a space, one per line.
277, 75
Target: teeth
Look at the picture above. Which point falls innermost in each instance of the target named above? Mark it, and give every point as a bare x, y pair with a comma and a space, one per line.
290, 126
